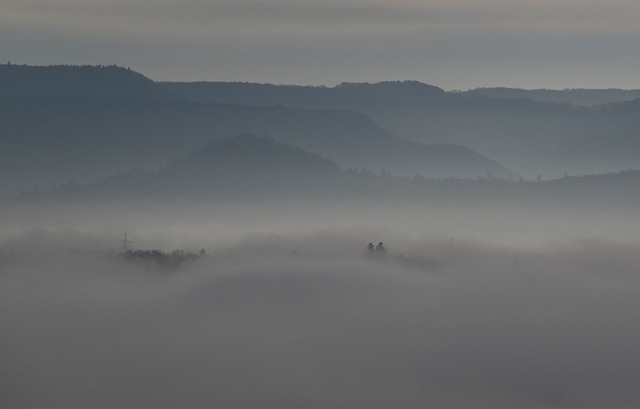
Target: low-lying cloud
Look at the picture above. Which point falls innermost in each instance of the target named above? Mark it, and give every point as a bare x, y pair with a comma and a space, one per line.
257, 325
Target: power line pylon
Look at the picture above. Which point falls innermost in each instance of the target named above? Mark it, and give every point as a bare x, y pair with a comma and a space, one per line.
125, 243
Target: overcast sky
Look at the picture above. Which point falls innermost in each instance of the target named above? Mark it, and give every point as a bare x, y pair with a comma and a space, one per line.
455, 44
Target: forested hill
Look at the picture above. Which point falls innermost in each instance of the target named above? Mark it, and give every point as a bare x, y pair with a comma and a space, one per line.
528, 131
363, 97
579, 97
248, 167
81, 138
244, 166
93, 121
73, 80
250, 153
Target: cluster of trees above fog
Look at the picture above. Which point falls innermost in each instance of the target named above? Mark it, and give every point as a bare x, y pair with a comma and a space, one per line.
161, 258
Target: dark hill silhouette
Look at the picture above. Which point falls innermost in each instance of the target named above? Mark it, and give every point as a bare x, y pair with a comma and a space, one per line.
631, 106
579, 97
525, 130
72, 80
362, 97
249, 153
522, 133
614, 140
245, 166
518, 127
82, 138
249, 168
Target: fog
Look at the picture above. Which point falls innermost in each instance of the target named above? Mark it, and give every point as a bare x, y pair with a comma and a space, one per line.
290, 310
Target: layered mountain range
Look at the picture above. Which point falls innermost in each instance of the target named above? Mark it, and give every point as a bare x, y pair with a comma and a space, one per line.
541, 132
89, 122
80, 123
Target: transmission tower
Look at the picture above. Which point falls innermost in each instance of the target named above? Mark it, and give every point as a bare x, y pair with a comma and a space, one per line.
125, 243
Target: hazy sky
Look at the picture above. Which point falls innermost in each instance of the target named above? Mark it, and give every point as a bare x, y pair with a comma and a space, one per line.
454, 44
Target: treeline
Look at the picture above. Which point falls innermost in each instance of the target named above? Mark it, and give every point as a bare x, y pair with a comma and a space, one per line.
171, 259
77, 80
62, 67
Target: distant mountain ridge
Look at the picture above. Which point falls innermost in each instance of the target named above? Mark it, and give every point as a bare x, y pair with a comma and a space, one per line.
531, 132
94, 121
578, 97
248, 167
350, 96
250, 153
244, 166
74, 80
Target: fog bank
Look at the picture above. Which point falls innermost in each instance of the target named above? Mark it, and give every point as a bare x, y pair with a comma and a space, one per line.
255, 325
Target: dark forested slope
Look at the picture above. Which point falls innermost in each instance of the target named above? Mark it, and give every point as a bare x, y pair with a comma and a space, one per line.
528, 133
48, 140
72, 80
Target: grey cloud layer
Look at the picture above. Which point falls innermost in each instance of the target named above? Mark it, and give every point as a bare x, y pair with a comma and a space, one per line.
447, 43
273, 16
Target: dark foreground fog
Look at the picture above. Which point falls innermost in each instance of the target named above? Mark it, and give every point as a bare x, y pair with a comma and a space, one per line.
255, 324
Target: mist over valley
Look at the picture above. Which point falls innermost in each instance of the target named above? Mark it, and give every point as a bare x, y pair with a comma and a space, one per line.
219, 244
